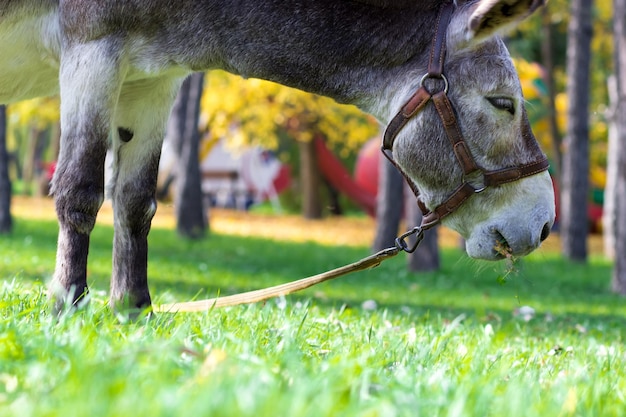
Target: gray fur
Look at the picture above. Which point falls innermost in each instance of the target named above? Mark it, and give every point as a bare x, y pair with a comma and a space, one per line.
120, 63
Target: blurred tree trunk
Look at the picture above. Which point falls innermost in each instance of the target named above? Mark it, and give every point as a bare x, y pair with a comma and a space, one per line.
55, 142
619, 39
6, 223
36, 143
389, 205
191, 215
547, 53
334, 205
574, 178
609, 208
310, 181
426, 256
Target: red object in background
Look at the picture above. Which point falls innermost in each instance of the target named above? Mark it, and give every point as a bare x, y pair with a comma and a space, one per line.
557, 199
366, 169
333, 170
594, 210
283, 179
50, 168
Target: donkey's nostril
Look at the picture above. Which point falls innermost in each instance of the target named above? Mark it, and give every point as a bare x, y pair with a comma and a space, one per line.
545, 232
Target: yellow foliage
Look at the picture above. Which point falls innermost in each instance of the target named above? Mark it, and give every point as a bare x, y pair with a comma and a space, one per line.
529, 73
597, 176
257, 112
39, 112
561, 105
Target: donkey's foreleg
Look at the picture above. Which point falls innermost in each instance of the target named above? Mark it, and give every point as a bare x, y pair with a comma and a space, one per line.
142, 113
89, 85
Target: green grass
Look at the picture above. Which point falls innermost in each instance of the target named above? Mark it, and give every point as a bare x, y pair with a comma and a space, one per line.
439, 344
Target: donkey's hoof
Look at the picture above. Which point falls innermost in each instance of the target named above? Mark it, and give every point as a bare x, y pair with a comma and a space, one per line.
64, 301
130, 308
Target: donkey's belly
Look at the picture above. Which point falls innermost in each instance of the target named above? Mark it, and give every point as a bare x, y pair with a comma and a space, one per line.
30, 50
16, 86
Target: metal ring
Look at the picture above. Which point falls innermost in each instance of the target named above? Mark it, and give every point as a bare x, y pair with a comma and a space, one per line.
440, 77
480, 190
401, 243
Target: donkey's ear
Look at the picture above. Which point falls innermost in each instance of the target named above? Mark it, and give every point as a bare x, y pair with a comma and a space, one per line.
490, 16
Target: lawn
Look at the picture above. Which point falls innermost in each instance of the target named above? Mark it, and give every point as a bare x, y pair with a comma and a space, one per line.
540, 338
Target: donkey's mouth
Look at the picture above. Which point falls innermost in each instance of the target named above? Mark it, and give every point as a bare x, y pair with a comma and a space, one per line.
501, 248
494, 243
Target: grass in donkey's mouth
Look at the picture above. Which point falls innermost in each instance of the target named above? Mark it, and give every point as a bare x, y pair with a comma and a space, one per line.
511, 261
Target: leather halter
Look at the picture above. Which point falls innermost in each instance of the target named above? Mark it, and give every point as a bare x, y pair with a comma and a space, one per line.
418, 102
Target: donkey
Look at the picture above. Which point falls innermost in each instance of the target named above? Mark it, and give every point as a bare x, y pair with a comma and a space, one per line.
117, 65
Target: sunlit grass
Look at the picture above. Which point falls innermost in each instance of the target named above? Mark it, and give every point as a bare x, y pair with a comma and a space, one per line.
545, 340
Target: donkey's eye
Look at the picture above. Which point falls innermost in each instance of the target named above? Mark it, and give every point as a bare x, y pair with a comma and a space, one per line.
502, 103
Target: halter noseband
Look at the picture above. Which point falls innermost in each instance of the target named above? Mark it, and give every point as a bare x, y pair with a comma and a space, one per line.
417, 102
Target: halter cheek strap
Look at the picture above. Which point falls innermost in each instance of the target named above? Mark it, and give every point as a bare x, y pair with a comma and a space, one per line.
445, 110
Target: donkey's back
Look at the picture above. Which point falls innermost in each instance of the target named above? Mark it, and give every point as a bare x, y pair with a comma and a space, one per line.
312, 45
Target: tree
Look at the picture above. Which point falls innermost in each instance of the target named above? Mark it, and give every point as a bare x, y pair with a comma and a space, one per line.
426, 256
619, 27
5, 182
256, 112
609, 209
182, 131
547, 54
309, 181
33, 130
575, 175
389, 204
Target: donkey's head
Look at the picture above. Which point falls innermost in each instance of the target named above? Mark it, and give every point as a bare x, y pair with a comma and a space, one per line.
478, 107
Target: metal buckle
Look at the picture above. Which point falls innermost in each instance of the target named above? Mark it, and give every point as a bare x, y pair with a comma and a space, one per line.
434, 77
402, 244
